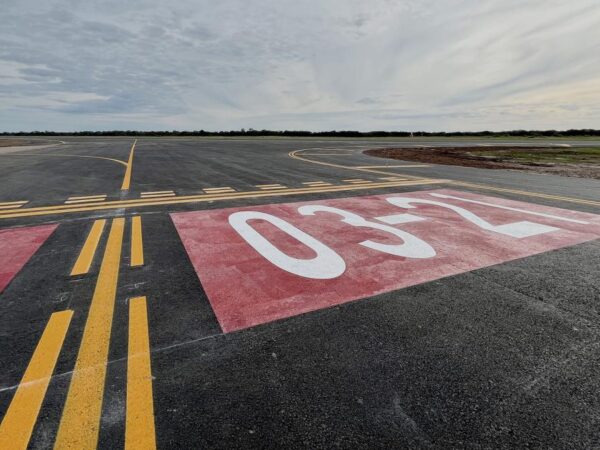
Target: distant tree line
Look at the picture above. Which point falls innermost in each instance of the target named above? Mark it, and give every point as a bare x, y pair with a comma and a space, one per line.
300, 133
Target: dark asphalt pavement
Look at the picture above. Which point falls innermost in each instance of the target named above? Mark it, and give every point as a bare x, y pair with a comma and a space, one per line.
499, 357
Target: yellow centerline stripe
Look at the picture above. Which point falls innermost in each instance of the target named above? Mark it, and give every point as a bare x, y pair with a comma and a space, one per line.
127, 177
139, 422
120, 204
80, 420
20, 418
137, 245
86, 256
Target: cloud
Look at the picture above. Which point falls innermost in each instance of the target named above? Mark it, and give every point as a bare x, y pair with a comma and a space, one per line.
343, 64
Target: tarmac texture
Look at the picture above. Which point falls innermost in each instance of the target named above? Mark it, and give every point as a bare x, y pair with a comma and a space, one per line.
289, 293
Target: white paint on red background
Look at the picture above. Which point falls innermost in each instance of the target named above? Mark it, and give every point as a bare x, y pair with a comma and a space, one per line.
262, 263
17, 245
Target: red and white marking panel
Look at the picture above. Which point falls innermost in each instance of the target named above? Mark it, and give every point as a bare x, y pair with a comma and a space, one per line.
17, 245
263, 263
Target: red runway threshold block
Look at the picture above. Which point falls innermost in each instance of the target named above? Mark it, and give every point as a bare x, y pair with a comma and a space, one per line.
17, 246
262, 263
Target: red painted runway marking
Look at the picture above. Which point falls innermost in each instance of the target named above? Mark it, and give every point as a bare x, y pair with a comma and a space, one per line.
17, 245
262, 263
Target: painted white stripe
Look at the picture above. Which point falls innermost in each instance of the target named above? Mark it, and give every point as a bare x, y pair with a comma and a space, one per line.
172, 194
20, 203
397, 219
86, 197
508, 208
85, 200
267, 188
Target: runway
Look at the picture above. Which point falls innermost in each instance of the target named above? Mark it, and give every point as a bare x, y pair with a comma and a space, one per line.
235, 293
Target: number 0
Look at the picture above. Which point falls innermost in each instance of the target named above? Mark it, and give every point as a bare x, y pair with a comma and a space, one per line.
326, 265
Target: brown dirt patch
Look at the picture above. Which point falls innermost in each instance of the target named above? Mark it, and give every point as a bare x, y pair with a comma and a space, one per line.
553, 160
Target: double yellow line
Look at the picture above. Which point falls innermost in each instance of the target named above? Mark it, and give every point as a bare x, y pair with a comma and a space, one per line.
80, 422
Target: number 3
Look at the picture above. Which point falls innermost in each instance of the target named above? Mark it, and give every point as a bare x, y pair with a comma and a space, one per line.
412, 246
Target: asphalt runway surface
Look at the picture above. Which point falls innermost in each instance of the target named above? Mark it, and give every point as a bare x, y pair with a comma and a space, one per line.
289, 293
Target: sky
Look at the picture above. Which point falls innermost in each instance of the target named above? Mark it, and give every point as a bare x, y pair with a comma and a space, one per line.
72, 65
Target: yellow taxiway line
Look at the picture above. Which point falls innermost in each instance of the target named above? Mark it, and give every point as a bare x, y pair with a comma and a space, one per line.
127, 177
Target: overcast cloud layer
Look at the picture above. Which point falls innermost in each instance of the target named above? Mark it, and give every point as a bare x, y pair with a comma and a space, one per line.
298, 64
